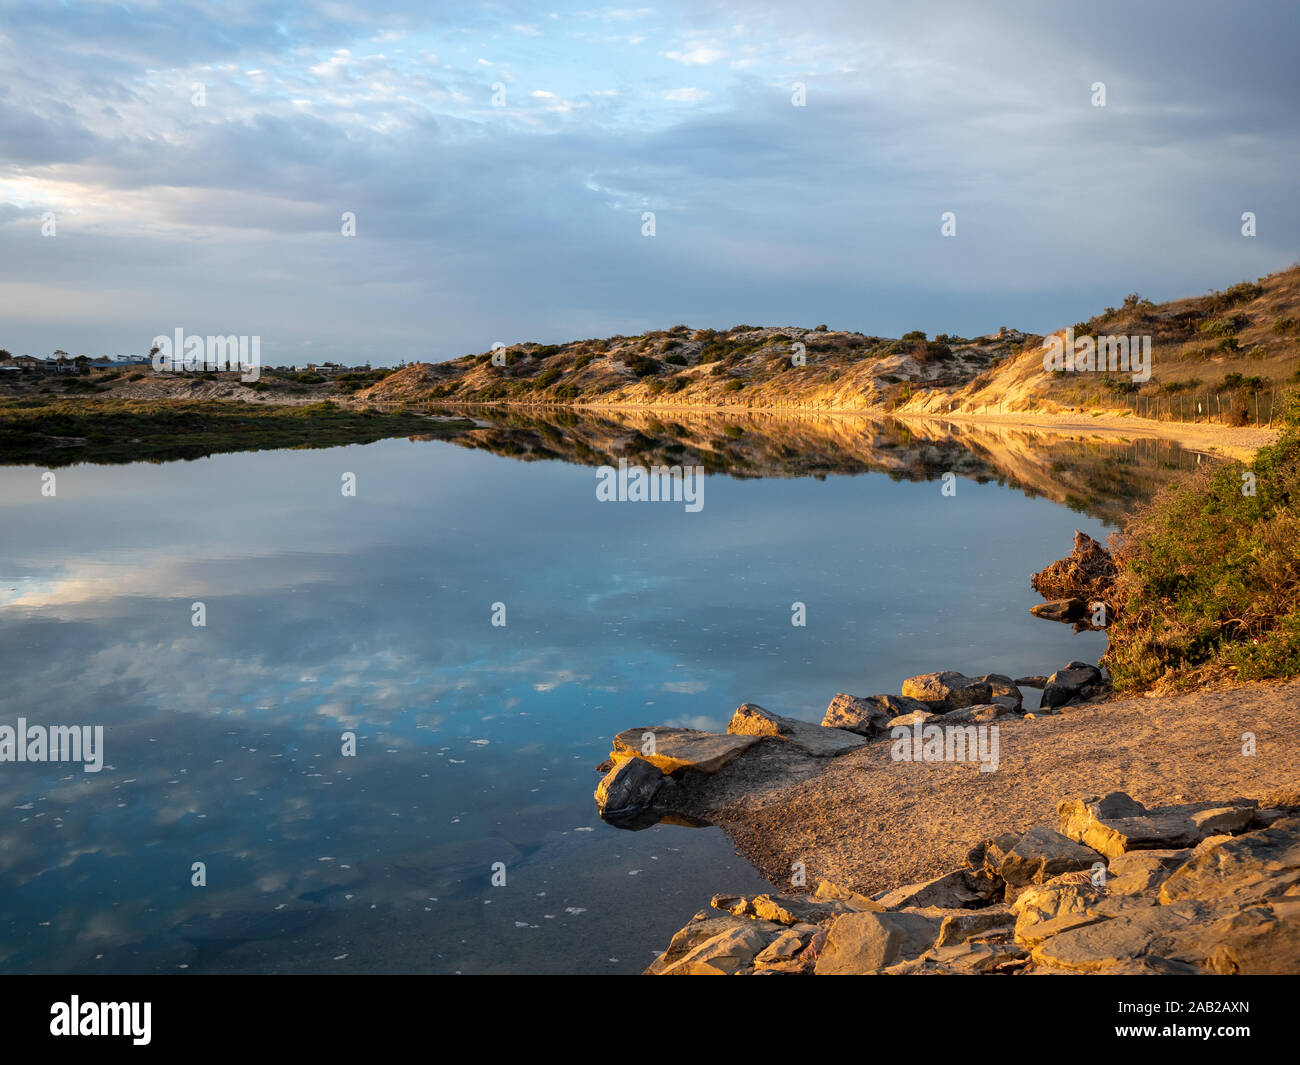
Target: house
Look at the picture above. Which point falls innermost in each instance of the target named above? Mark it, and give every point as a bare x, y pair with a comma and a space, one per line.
29, 364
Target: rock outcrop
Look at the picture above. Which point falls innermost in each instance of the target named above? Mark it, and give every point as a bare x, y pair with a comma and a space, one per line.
1211, 887
658, 773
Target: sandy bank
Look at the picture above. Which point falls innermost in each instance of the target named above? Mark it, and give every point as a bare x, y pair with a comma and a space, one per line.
872, 824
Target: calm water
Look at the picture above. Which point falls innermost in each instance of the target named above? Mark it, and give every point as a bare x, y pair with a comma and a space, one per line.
475, 744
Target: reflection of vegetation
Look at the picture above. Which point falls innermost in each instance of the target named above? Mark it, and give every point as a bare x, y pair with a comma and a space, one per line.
1210, 575
61, 432
1102, 479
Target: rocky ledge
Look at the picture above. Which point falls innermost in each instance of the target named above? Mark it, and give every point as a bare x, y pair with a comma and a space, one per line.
658, 773
1114, 887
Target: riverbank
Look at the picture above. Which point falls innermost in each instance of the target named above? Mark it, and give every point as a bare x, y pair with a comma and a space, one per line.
859, 830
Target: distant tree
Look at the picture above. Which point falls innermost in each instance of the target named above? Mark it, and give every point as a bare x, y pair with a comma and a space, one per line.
4, 355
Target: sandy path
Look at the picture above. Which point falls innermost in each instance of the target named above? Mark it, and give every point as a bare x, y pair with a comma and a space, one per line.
871, 823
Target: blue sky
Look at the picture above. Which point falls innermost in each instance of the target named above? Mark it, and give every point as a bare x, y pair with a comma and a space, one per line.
520, 219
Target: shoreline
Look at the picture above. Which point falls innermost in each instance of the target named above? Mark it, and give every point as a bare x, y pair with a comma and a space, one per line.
879, 841
1210, 438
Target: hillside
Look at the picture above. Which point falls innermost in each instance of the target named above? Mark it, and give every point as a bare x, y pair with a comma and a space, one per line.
743, 367
1230, 343
1227, 343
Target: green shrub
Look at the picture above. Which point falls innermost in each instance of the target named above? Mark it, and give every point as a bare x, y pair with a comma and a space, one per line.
1237, 380
675, 360
1209, 576
1224, 327
734, 385
642, 366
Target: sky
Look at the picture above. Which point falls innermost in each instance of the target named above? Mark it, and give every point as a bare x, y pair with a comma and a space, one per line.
193, 165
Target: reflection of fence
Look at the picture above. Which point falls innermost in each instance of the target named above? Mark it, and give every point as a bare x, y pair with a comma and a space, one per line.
1255, 408
414, 406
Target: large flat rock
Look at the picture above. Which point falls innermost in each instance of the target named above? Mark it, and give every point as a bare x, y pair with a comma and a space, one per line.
674, 749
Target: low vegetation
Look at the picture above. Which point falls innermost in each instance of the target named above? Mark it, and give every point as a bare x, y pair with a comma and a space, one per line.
1209, 575
56, 431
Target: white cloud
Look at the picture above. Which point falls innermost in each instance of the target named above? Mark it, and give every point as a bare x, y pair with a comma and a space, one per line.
689, 94
698, 55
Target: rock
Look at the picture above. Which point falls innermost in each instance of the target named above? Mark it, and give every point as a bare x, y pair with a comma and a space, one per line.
1261, 940
1040, 903
682, 748
1033, 681
722, 955
750, 719
916, 717
960, 927
950, 891
1041, 854
625, 795
1223, 819
1142, 872
869, 716
827, 890
782, 909
1242, 869
784, 948
709, 927
1061, 610
947, 690
977, 714
1033, 933
964, 959
1109, 944
1116, 824
867, 942
1067, 684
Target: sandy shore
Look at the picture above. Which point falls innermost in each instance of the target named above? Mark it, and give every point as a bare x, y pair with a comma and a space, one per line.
872, 824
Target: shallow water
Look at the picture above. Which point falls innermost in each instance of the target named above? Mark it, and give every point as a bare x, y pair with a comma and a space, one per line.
475, 743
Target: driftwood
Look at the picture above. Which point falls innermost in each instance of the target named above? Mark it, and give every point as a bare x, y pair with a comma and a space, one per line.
1077, 585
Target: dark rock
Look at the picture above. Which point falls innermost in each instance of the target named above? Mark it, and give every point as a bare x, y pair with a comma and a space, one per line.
1069, 610
625, 795
869, 716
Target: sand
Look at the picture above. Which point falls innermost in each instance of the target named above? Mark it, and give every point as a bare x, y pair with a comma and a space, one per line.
872, 824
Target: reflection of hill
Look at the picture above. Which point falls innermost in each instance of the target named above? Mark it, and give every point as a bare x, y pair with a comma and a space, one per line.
1103, 479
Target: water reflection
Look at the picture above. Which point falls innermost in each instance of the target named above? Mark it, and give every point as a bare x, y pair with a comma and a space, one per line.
476, 743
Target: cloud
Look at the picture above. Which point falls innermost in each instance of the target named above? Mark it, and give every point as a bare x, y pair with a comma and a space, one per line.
697, 55
224, 218
686, 95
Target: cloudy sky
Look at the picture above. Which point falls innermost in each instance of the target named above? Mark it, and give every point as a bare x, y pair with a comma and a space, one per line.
198, 159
